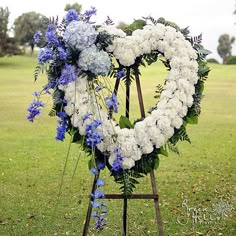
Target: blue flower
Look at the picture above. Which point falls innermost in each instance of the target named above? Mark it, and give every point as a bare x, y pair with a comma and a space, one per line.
37, 36
117, 164
120, 74
98, 194
36, 94
100, 183
94, 171
68, 75
93, 137
34, 110
101, 165
86, 116
62, 53
112, 102
96, 204
45, 55
89, 13
72, 15
49, 86
51, 35
62, 126
99, 88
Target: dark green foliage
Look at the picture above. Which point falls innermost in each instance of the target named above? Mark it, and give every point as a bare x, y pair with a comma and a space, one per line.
231, 60
137, 24
212, 60
124, 122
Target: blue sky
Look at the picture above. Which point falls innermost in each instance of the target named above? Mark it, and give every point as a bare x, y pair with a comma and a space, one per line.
210, 17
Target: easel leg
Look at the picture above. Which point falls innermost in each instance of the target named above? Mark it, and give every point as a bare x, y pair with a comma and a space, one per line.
125, 206
89, 211
156, 204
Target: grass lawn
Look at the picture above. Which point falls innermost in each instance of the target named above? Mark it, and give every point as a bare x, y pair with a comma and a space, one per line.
199, 181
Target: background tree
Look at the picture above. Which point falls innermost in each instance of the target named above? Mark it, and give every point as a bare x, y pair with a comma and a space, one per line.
225, 46
26, 25
7, 45
76, 6
122, 25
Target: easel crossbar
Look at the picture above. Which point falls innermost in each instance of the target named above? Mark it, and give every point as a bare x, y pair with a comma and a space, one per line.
132, 196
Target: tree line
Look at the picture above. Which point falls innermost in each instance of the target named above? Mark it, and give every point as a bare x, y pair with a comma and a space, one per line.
25, 26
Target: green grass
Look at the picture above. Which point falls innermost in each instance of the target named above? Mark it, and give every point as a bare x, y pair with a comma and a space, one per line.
31, 164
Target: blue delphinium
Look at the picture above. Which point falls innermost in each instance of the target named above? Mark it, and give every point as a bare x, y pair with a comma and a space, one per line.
89, 13
100, 211
93, 137
61, 126
68, 75
51, 35
45, 55
71, 15
117, 164
37, 36
112, 102
62, 53
34, 108
120, 74
50, 85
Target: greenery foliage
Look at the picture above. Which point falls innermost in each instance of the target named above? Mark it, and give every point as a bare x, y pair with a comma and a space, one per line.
231, 60
212, 60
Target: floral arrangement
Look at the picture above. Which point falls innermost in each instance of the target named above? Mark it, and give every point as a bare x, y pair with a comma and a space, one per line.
79, 56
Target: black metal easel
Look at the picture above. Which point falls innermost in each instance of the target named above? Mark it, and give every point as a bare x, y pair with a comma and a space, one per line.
154, 194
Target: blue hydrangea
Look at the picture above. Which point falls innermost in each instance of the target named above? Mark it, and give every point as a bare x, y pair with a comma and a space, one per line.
68, 75
112, 102
71, 15
45, 55
37, 37
79, 35
95, 61
34, 110
62, 126
117, 164
93, 137
51, 35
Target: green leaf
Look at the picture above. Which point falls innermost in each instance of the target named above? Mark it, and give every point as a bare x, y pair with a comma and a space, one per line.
163, 151
157, 162
124, 122
193, 120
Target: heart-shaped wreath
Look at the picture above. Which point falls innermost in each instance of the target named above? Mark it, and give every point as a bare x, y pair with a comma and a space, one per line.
78, 55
